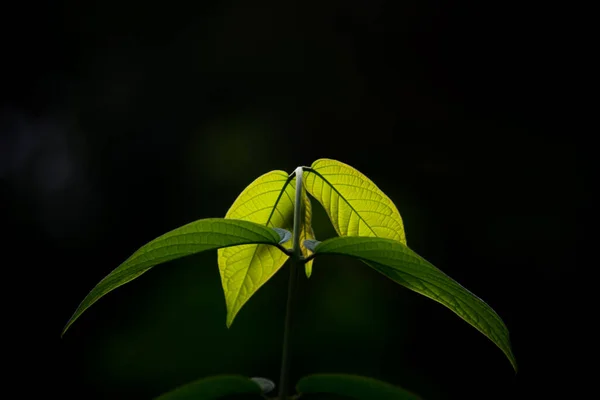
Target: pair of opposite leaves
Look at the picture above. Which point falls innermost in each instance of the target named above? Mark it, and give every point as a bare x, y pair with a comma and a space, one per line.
356, 207
249, 253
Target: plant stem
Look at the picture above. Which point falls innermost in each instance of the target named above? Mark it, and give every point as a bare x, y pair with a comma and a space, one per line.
297, 214
294, 263
285, 357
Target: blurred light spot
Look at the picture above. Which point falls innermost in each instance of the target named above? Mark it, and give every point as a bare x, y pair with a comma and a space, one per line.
42, 161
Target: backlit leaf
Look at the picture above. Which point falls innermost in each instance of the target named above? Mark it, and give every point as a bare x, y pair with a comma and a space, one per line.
269, 201
354, 204
404, 266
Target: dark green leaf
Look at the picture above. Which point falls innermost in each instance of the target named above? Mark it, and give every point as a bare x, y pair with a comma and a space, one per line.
356, 387
213, 387
396, 261
202, 235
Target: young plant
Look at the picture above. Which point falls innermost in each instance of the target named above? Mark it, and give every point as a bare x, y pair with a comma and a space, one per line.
270, 223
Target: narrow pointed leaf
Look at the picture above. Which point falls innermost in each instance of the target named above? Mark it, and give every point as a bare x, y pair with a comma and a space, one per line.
354, 204
202, 235
269, 201
352, 386
404, 266
214, 387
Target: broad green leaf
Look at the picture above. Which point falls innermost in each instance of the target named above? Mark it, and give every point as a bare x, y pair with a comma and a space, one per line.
269, 200
202, 235
355, 387
404, 266
214, 387
354, 204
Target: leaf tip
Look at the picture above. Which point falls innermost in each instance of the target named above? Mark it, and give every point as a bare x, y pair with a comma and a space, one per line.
66, 327
308, 269
513, 362
229, 319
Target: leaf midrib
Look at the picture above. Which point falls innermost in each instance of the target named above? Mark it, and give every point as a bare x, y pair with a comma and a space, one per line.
416, 266
342, 197
157, 244
501, 336
283, 190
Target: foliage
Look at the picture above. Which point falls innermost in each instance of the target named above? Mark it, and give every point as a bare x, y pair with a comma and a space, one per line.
253, 243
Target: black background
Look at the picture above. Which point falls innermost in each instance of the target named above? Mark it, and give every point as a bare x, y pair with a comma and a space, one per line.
123, 120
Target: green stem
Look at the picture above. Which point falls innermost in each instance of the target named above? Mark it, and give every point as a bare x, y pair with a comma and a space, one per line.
285, 356
297, 214
295, 261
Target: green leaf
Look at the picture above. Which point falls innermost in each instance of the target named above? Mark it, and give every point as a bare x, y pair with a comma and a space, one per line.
356, 387
202, 235
354, 204
269, 200
213, 387
404, 266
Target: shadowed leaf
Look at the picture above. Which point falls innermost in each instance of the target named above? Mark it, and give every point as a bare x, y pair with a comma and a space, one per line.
214, 387
355, 387
202, 235
404, 266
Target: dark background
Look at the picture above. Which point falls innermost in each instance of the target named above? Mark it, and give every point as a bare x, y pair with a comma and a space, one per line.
121, 120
